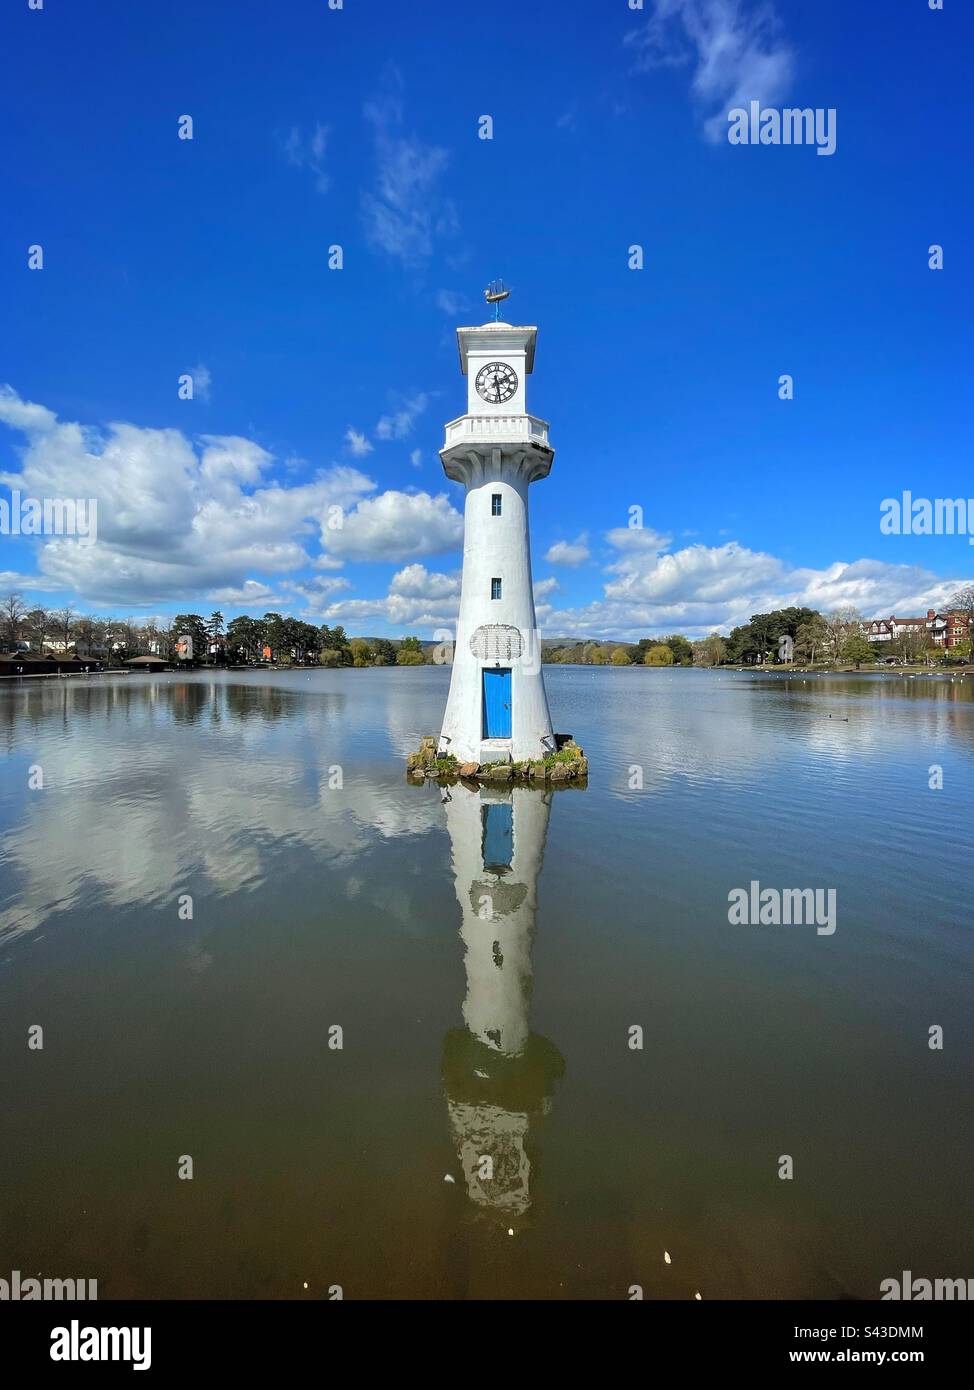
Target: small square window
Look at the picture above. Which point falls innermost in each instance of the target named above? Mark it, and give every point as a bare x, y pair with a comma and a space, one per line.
495, 504
495, 588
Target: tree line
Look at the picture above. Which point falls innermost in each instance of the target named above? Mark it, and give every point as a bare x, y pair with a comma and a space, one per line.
841, 637
837, 637
648, 651
243, 641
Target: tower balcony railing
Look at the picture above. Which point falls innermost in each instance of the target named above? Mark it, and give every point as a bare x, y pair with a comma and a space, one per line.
504, 428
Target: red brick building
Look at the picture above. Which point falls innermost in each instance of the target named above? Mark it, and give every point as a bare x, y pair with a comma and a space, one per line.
946, 629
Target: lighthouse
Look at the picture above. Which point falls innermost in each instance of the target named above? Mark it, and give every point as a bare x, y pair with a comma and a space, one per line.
497, 710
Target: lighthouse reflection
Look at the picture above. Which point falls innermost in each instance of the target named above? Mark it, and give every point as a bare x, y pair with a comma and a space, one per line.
499, 1077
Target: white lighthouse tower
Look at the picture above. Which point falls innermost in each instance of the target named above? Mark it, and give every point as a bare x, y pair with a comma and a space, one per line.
497, 710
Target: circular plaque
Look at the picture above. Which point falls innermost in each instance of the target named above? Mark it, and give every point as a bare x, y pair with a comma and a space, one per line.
497, 642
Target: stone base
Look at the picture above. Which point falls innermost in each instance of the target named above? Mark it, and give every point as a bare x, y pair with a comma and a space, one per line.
568, 764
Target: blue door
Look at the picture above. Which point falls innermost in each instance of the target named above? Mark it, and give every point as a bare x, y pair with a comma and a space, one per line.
497, 703
498, 838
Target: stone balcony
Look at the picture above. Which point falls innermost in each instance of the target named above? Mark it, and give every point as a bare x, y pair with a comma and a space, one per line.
499, 429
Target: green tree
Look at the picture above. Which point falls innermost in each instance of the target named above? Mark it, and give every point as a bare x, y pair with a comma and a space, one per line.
215, 630
334, 639
620, 657
410, 652
856, 649
681, 649
384, 652
742, 645
659, 655
309, 640
245, 639
190, 624
757, 640
711, 651
811, 636
273, 624
361, 652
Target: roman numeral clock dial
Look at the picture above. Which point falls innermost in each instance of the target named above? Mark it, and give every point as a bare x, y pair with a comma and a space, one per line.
496, 383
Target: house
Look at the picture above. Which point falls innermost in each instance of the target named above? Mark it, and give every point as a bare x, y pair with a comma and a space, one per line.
944, 629
948, 629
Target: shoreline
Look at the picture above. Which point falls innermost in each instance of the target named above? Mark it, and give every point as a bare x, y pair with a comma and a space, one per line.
933, 672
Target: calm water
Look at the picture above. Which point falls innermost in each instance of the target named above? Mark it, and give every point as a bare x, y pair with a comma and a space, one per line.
485, 1007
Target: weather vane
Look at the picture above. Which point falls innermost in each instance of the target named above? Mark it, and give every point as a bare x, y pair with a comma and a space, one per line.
495, 293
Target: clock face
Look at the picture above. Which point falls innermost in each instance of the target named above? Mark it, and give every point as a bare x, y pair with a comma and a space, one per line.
496, 383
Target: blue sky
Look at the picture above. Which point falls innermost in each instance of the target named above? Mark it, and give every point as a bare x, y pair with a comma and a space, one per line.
319, 388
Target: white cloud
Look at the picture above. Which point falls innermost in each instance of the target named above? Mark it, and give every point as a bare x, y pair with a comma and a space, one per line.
228, 461
451, 302
402, 422
418, 599
708, 573
175, 519
309, 153
25, 416
315, 594
570, 553
416, 458
404, 212
733, 46
415, 581
250, 595
358, 443
638, 540
701, 589
398, 526
181, 519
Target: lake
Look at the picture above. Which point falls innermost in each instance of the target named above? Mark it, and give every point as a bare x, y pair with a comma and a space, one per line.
394, 1027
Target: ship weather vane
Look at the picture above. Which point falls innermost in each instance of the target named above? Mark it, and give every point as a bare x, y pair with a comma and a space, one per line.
495, 293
